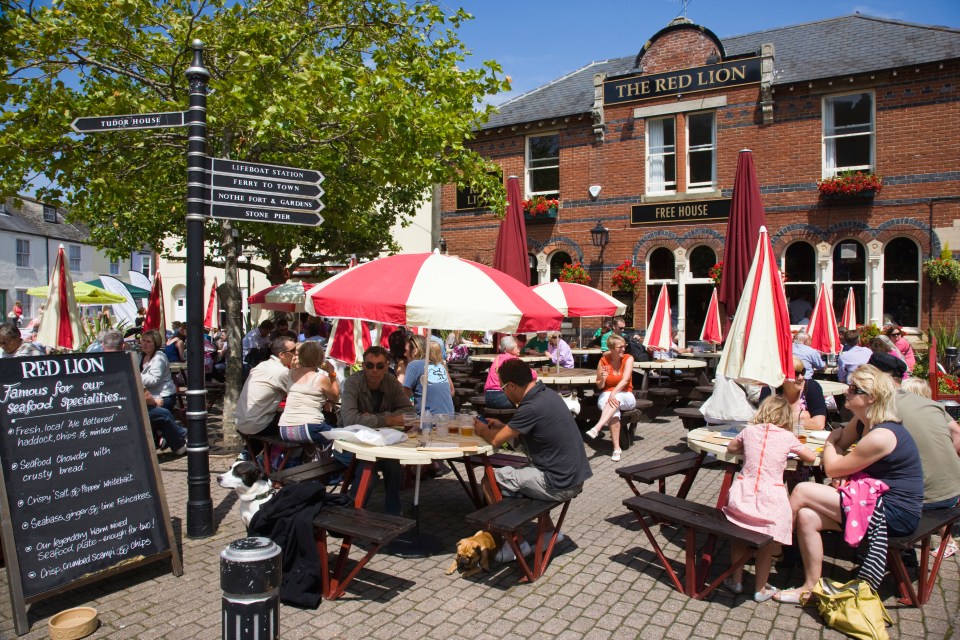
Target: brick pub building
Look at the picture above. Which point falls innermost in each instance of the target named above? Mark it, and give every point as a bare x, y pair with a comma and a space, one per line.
659, 132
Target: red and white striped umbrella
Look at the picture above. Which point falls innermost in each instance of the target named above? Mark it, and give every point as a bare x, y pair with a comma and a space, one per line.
849, 317
348, 340
712, 329
579, 301
213, 308
759, 344
155, 317
288, 297
659, 335
433, 290
824, 335
60, 324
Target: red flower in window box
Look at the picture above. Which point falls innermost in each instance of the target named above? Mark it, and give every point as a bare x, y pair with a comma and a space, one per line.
850, 183
540, 206
627, 277
574, 273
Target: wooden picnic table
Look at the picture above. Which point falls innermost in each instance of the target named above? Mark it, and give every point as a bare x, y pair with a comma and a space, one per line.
669, 366
488, 358
568, 377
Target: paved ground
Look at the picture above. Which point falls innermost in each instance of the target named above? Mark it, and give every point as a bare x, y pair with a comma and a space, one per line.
605, 583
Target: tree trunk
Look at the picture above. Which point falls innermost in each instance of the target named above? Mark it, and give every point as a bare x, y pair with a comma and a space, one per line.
229, 293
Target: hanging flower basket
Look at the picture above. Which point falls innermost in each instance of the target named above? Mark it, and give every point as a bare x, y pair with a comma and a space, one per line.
574, 273
716, 273
627, 277
944, 269
850, 185
540, 209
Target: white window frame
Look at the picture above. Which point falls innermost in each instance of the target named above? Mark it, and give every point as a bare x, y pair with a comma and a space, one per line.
146, 260
663, 151
114, 266
74, 261
845, 285
829, 171
711, 147
23, 253
528, 168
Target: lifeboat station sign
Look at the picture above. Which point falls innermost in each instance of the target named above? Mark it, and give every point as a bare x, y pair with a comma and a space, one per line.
669, 213
636, 86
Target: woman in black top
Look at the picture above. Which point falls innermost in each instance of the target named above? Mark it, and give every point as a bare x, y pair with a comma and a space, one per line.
805, 398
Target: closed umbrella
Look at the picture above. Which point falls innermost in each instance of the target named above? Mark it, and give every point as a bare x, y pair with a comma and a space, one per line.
824, 335
60, 324
287, 297
510, 252
212, 307
137, 293
348, 340
155, 317
126, 311
849, 317
659, 335
759, 343
579, 301
83, 293
712, 328
743, 226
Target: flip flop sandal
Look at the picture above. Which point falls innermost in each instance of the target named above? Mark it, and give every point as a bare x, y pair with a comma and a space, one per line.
765, 594
950, 552
792, 596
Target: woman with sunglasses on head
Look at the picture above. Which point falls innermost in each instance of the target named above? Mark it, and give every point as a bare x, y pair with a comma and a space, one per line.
805, 397
885, 451
900, 342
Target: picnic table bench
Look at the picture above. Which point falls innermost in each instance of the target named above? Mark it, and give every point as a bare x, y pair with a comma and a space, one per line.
306, 472
695, 518
268, 444
686, 464
931, 522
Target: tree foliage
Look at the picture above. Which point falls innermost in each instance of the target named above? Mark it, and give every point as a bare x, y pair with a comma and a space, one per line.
369, 93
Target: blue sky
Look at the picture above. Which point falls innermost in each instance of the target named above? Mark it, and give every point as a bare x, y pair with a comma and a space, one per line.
537, 41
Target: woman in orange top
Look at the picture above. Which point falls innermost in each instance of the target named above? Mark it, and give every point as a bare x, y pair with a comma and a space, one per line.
614, 379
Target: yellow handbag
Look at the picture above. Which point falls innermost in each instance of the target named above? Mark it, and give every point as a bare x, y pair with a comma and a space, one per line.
853, 608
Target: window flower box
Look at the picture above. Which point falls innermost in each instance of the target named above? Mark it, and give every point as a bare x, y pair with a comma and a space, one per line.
540, 209
849, 185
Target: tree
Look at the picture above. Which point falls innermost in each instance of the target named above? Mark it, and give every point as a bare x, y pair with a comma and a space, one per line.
368, 93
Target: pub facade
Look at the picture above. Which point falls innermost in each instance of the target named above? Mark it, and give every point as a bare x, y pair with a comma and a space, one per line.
646, 147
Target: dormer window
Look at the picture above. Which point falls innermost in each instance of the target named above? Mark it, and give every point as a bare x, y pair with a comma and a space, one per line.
49, 213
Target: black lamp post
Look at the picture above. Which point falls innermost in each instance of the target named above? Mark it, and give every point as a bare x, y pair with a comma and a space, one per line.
443, 246
600, 236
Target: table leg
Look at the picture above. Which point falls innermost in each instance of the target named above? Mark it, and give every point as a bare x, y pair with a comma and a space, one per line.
491, 479
365, 483
728, 474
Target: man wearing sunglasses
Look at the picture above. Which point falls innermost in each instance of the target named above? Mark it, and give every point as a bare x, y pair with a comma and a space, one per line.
374, 398
265, 388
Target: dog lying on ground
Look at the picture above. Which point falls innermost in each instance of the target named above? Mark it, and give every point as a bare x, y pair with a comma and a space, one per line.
474, 554
252, 487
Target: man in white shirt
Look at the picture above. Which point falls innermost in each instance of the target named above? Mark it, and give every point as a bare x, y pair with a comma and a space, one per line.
265, 388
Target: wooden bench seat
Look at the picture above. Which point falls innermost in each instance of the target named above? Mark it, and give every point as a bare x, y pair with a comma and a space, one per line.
471, 463
503, 415
695, 518
508, 516
661, 398
629, 421
691, 417
268, 443
307, 472
930, 522
375, 529
658, 471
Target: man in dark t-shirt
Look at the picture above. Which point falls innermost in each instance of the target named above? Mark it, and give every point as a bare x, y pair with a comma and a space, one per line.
559, 464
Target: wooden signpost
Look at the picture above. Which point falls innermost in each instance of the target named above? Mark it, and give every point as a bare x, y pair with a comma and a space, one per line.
81, 497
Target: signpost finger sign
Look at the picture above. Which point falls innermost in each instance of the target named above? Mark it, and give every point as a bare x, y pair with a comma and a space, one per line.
265, 192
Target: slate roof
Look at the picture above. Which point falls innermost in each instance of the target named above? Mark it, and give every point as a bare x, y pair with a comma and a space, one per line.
28, 219
823, 49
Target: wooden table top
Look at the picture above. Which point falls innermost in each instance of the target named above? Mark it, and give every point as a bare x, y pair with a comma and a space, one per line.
703, 355
670, 364
832, 387
568, 376
478, 346
704, 439
407, 452
490, 357
596, 351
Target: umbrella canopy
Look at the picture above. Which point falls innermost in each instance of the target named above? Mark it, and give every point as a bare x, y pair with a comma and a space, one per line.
510, 253
849, 317
743, 226
212, 307
123, 311
824, 335
288, 297
712, 331
433, 290
348, 340
60, 323
759, 344
83, 293
137, 293
155, 317
659, 335
578, 300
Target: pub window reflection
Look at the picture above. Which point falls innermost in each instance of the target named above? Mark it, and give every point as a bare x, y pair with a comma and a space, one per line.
800, 269
661, 265
901, 282
557, 260
697, 290
850, 272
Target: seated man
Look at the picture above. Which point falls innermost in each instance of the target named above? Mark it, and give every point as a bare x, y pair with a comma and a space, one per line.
558, 464
13, 346
283, 331
810, 357
375, 398
538, 345
852, 356
265, 388
257, 338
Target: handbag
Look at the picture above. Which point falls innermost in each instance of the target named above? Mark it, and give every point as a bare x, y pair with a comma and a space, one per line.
853, 608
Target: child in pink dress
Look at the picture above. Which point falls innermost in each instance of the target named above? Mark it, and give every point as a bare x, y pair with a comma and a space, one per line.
758, 498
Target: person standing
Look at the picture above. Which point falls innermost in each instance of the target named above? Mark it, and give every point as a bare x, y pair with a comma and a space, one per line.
17, 312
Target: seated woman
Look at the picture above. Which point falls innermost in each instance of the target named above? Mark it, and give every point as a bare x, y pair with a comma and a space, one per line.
313, 383
900, 342
805, 398
493, 394
615, 382
155, 370
439, 387
885, 452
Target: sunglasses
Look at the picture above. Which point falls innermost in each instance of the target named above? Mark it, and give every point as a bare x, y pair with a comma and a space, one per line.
857, 391
895, 334
504, 387
375, 365
294, 350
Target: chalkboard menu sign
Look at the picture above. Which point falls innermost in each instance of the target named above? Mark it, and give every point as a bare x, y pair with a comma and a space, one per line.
81, 496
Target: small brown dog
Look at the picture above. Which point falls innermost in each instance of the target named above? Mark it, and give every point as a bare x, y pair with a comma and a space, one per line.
474, 554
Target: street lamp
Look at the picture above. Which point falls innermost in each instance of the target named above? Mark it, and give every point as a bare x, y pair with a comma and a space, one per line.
600, 236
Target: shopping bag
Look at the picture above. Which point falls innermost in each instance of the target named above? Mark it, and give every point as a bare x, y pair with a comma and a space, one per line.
853, 608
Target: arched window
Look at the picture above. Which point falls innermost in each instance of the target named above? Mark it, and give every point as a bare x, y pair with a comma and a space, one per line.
800, 268
697, 290
901, 282
557, 260
661, 269
850, 272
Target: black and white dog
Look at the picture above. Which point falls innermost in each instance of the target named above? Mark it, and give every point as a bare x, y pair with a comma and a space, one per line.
252, 487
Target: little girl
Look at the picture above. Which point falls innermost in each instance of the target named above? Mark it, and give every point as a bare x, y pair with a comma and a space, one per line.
758, 498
